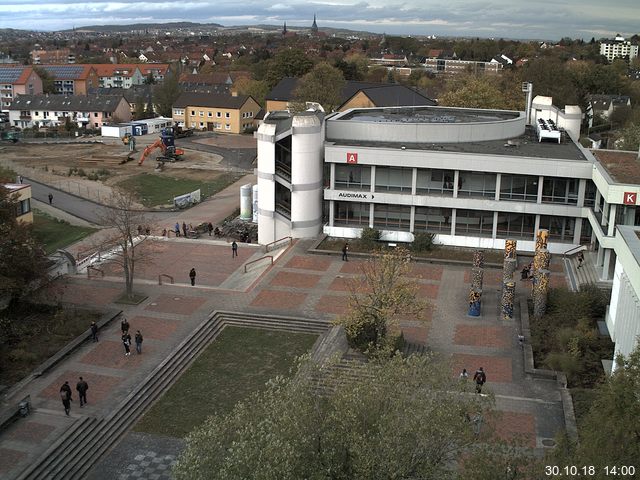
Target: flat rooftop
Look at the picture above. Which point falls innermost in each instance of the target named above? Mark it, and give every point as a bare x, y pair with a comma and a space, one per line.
427, 115
624, 167
525, 145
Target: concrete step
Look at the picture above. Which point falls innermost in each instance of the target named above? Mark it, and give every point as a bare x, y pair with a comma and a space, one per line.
75, 455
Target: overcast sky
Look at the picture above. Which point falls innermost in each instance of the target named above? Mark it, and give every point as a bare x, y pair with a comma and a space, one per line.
488, 18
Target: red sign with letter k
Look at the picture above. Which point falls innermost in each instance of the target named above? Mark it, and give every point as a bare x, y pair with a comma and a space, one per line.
630, 198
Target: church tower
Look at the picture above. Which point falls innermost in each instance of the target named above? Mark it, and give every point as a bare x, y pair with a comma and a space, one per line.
314, 25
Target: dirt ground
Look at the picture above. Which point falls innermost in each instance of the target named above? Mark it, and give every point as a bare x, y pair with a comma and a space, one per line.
51, 163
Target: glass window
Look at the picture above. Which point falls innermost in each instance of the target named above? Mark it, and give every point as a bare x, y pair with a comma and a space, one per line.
393, 179
515, 225
560, 190
218, 114
352, 177
474, 222
351, 213
560, 228
392, 217
438, 182
24, 206
283, 200
226, 115
209, 114
590, 194
432, 219
227, 127
193, 113
519, 187
477, 184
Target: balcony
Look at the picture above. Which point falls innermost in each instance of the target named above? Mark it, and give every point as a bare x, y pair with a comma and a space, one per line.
25, 117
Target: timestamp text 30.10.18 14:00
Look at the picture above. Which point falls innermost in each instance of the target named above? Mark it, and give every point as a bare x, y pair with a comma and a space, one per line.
587, 471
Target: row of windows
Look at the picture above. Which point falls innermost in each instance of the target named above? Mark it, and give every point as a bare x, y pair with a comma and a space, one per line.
216, 126
470, 184
476, 223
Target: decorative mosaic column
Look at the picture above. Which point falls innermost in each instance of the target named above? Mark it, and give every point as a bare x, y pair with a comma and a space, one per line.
540, 292
508, 294
541, 260
477, 275
478, 259
542, 236
510, 265
510, 248
475, 300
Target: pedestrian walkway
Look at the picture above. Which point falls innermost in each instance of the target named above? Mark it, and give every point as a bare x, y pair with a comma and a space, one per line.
301, 285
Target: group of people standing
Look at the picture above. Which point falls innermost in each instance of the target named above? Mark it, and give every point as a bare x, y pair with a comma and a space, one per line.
126, 338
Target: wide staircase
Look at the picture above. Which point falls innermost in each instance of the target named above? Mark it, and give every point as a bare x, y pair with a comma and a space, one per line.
585, 274
89, 438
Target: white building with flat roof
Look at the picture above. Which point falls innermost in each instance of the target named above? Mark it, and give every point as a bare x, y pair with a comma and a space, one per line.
618, 48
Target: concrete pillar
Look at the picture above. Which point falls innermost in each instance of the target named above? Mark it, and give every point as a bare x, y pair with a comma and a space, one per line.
372, 189
371, 215
582, 190
536, 224
332, 212
606, 264
456, 179
332, 176
412, 218
577, 231
497, 197
613, 208
605, 214
540, 185
453, 221
414, 181
600, 256
494, 228
596, 205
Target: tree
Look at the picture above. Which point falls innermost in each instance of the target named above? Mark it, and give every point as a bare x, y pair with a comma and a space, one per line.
123, 221
287, 63
24, 262
150, 79
398, 418
610, 432
47, 80
323, 84
630, 137
377, 299
257, 89
166, 93
139, 110
483, 91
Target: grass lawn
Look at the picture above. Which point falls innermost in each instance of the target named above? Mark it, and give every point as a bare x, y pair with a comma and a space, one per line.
38, 332
159, 189
54, 234
237, 363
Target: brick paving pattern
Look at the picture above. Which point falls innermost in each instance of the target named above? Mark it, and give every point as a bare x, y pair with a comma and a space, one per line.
333, 304
177, 304
514, 427
100, 386
482, 336
319, 264
278, 300
295, 280
10, 457
152, 327
497, 369
110, 353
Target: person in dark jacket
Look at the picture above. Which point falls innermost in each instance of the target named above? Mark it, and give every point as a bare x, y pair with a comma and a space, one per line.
65, 395
210, 228
82, 388
480, 378
192, 276
234, 249
138, 339
126, 341
124, 325
94, 331
184, 229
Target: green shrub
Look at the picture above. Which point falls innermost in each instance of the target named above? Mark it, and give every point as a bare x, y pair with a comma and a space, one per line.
422, 242
81, 172
93, 176
369, 238
103, 172
21, 355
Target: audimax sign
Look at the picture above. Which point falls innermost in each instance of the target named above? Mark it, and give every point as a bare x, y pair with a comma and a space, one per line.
356, 195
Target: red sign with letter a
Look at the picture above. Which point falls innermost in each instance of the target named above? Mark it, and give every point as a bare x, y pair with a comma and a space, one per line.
630, 198
352, 157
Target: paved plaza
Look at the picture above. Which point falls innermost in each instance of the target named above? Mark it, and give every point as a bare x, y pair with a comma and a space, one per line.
300, 284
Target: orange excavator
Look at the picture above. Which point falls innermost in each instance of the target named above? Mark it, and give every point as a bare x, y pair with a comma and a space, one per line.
169, 154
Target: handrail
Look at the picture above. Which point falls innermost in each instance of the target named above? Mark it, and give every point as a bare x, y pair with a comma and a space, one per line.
571, 250
266, 247
164, 275
257, 260
89, 268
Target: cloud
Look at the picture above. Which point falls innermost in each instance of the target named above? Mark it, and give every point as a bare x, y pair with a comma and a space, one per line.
507, 18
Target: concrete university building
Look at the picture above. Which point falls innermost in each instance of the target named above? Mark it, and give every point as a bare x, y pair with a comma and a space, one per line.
471, 177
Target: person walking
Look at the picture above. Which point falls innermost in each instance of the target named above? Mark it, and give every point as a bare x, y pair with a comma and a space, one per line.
124, 325
464, 375
82, 388
177, 229
184, 229
65, 395
192, 276
210, 228
345, 249
126, 341
94, 331
234, 249
138, 339
50, 198
580, 259
480, 378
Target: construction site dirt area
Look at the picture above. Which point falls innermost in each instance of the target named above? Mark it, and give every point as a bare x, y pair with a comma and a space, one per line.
99, 165
228, 141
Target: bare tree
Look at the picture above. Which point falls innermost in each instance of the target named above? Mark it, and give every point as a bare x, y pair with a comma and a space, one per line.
124, 224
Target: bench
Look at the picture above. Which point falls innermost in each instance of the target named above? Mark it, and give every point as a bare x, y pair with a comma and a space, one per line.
10, 413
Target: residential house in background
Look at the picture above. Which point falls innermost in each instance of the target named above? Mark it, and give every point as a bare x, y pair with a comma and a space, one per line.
17, 80
604, 105
215, 112
354, 94
447, 62
23, 198
618, 48
53, 110
72, 79
58, 56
